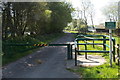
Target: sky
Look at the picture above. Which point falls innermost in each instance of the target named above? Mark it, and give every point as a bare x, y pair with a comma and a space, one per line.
98, 6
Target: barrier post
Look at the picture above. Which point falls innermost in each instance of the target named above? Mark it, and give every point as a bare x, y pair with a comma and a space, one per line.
114, 50
104, 43
68, 52
75, 57
85, 52
110, 39
71, 52
78, 46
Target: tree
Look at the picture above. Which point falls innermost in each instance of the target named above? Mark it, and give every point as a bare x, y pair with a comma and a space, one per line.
19, 17
61, 16
85, 8
38, 18
88, 12
91, 13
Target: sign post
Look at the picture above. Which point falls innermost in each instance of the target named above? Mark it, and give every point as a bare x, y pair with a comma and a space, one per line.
110, 26
110, 34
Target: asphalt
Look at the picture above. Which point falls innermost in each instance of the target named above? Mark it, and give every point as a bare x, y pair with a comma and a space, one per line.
48, 62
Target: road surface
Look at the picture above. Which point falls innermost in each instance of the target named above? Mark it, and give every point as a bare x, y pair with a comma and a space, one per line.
48, 62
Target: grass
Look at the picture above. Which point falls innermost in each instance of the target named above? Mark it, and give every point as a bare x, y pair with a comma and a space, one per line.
14, 53
101, 71
71, 31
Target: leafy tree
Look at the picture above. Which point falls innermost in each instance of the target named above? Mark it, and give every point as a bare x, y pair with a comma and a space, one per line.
38, 18
60, 17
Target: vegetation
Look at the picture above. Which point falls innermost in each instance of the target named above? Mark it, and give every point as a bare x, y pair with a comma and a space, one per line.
37, 18
102, 71
31, 22
111, 11
16, 52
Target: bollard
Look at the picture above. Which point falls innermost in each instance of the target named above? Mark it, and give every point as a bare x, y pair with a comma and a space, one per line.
104, 43
68, 52
85, 52
75, 57
78, 46
71, 55
114, 50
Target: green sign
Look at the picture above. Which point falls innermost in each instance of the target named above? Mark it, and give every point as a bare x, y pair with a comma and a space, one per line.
110, 25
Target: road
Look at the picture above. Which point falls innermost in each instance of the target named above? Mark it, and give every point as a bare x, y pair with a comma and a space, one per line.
48, 62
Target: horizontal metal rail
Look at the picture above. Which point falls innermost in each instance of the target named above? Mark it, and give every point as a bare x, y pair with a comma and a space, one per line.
17, 44
107, 45
95, 36
108, 36
69, 47
58, 44
91, 35
78, 39
95, 39
90, 51
89, 43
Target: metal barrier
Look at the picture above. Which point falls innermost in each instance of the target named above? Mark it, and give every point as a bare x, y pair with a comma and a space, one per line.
93, 39
69, 47
76, 44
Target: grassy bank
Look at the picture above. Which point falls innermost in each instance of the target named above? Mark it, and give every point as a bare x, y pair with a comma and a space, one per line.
13, 53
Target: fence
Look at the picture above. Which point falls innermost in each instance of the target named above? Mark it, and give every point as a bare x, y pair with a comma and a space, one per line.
104, 39
69, 47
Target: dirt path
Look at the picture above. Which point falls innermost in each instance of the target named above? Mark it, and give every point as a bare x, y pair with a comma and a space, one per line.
48, 62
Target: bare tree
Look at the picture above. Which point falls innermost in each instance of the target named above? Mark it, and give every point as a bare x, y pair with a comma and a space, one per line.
88, 12
91, 14
85, 6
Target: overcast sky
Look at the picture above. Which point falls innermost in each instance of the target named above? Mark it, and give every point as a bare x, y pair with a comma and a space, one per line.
98, 5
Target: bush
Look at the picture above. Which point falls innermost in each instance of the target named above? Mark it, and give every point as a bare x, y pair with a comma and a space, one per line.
9, 51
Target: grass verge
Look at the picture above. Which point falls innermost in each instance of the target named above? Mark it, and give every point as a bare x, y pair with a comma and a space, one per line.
102, 71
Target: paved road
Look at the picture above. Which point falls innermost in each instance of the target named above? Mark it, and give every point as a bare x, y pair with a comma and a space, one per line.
53, 63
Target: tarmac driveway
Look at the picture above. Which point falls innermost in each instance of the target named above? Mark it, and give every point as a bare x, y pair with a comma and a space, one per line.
48, 62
